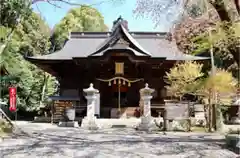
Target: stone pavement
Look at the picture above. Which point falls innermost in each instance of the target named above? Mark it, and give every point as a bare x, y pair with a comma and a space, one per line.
49, 141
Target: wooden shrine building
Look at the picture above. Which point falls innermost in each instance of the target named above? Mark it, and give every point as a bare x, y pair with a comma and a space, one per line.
118, 63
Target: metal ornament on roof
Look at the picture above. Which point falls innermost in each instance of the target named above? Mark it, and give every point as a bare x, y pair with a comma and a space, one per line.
120, 81
122, 41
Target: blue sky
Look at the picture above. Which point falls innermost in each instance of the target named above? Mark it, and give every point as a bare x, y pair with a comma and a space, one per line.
110, 12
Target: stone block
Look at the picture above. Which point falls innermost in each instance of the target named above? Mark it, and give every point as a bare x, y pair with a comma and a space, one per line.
68, 124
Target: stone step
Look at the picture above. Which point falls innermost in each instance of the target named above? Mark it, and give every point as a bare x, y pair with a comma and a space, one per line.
119, 126
122, 122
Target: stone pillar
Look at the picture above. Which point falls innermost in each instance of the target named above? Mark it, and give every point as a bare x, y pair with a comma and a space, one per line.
146, 119
89, 121
97, 107
141, 103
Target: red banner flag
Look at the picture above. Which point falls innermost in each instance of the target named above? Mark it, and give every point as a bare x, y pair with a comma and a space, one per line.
13, 99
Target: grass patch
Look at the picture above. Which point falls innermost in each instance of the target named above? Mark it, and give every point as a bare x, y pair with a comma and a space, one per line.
5, 128
198, 129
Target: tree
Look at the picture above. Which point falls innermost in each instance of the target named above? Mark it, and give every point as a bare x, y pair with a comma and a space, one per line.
182, 77
187, 78
69, 2
84, 18
216, 91
221, 10
30, 36
11, 10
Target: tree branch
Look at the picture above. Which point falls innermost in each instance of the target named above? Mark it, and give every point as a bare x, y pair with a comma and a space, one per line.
68, 2
52, 3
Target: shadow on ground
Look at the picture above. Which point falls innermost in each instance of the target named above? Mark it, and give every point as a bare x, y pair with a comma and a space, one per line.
50, 144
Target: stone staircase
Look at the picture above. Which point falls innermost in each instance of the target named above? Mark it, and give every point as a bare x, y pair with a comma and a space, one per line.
127, 112
122, 122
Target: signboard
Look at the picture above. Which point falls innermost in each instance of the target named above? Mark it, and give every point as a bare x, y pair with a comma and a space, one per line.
119, 68
13, 99
177, 110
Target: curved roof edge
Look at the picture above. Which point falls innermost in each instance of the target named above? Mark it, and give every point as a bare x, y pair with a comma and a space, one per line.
187, 57
46, 57
136, 53
134, 42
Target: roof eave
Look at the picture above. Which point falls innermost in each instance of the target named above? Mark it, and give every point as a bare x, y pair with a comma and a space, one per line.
134, 42
188, 58
38, 59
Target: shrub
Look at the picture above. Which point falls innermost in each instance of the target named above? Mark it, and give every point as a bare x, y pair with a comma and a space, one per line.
5, 127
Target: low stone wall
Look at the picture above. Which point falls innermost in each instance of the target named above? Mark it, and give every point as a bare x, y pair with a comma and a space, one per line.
233, 142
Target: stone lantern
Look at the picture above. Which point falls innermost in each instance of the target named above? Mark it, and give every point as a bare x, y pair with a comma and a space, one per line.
89, 121
146, 96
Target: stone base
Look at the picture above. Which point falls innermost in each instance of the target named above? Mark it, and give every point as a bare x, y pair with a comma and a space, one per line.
68, 124
146, 124
89, 123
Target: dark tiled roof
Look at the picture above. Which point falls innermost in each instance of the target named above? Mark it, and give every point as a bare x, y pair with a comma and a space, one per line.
64, 98
84, 44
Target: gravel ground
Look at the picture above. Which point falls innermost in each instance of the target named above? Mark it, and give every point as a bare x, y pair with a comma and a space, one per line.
49, 141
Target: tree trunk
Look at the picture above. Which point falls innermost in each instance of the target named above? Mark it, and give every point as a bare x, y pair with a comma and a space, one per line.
165, 120
45, 80
237, 2
236, 54
219, 121
214, 116
226, 9
229, 11
210, 118
206, 115
210, 113
189, 118
8, 39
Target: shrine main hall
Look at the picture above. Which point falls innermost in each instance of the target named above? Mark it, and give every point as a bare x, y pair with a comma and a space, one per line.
118, 63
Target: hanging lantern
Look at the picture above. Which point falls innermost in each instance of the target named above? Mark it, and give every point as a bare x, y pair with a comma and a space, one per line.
124, 82
129, 84
109, 83
114, 81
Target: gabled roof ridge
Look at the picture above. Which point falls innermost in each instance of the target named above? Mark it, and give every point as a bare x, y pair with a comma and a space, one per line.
135, 34
106, 43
